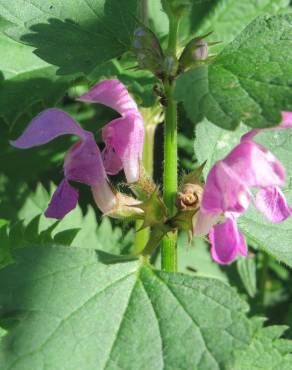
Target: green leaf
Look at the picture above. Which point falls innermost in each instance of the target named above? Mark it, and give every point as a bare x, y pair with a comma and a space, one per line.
213, 143
26, 80
225, 18
266, 351
2, 332
5, 253
4, 23
249, 81
246, 268
80, 230
76, 313
195, 258
75, 36
229, 17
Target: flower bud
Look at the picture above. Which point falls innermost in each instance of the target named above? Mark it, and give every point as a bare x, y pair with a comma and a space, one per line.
148, 51
196, 51
201, 51
190, 197
188, 200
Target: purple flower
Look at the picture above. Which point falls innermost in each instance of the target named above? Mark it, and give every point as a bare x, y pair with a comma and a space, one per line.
123, 136
227, 194
83, 162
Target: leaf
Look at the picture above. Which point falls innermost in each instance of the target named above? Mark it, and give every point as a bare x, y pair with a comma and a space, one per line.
195, 258
75, 36
266, 351
4, 23
26, 80
225, 18
5, 253
249, 81
2, 332
75, 229
229, 17
76, 313
213, 143
246, 268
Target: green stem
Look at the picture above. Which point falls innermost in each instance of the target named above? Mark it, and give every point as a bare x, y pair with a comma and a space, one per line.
173, 35
170, 150
169, 242
143, 11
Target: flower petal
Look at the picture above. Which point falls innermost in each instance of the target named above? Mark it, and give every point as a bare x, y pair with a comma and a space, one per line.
104, 197
63, 201
255, 166
272, 203
285, 123
250, 135
111, 93
47, 126
111, 161
203, 222
125, 136
286, 120
83, 162
224, 191
242, 246
226, 242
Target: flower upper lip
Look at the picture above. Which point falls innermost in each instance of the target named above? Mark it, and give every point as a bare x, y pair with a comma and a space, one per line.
123, 136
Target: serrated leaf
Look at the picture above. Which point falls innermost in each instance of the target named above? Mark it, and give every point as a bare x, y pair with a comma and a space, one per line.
249, 81
76, 313
246, 268
80, 230
266, 351
75, 36
26, 80
228, 18
194, 257
213, 143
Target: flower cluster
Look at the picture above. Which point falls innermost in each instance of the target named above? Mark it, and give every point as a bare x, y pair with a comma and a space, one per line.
228, 193
84, 162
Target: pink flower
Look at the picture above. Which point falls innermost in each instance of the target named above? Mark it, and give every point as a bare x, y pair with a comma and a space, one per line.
123, 136
83, 162
227, 194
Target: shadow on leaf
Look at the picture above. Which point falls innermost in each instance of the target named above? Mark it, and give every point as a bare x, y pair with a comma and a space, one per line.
78, 45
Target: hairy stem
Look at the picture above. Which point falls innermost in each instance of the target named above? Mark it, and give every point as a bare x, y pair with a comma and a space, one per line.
169, 242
